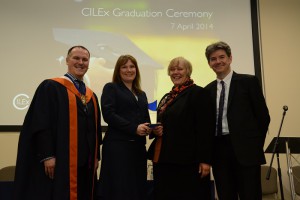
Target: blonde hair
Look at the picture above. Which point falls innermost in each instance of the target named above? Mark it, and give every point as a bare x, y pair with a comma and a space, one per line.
175, 62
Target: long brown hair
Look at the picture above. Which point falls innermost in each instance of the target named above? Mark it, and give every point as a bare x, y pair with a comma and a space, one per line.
122, 60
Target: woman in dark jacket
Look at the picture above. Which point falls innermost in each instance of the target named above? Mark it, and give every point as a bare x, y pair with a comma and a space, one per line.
183, 144
125, 109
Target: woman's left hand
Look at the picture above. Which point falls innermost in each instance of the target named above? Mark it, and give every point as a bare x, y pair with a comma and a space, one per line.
158, 130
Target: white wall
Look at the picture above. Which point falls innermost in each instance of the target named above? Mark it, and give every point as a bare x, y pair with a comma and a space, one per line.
280, 31
8, 148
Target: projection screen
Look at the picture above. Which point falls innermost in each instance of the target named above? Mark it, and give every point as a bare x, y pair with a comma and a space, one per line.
36, 34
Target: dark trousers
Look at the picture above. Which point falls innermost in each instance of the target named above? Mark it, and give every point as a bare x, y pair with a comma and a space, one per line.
85, 183
173, 181
233, 180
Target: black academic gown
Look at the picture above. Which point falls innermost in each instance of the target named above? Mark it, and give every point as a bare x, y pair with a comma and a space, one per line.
47, 131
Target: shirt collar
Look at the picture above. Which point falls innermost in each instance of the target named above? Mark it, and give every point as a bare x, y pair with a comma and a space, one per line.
70, 76
227, 78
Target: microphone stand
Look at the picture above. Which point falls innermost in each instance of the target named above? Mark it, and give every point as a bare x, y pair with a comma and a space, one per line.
275, 150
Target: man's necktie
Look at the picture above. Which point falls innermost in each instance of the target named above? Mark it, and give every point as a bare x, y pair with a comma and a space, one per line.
221, 107
81, 87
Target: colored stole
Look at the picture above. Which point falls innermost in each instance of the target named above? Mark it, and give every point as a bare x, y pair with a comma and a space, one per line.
73, 136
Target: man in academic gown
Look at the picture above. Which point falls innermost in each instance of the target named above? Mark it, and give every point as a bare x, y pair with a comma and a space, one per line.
59, 143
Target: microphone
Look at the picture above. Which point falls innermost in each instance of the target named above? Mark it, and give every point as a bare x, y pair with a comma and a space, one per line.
275, 150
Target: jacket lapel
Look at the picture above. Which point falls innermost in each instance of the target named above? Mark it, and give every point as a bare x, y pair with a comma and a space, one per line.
130, 94
233, 85
214, 93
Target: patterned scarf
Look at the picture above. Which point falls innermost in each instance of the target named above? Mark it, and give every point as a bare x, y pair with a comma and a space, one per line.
165, 102
172, 95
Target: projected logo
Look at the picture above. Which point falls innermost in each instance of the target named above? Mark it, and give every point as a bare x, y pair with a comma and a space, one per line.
21, 101
152, 112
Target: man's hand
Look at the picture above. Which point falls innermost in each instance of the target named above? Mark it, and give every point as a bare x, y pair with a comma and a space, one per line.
50, 167
204, 169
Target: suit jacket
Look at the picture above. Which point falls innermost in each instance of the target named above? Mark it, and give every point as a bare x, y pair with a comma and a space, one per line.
123, 112
188, 126
248, 117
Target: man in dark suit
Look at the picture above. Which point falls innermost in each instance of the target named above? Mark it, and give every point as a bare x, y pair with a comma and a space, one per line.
242, 120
